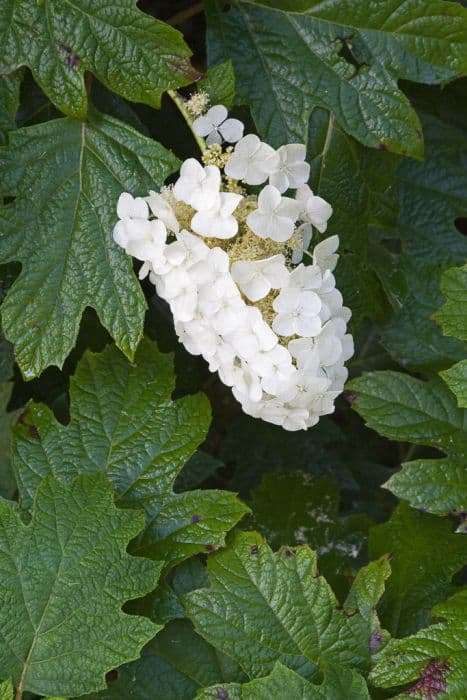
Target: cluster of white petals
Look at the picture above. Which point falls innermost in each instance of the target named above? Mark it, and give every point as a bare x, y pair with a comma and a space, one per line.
273, 327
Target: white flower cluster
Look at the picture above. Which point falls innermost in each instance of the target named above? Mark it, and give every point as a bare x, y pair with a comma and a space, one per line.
228, 262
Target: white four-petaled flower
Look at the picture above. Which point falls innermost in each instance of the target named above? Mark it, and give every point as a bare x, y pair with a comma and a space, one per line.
314, 210
297, 313
198, 186
252, 161
275, 216
217, 128
292, 171
256, 278
217, 221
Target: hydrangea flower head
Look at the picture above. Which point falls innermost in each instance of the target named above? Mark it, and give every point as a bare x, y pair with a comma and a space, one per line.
228, 261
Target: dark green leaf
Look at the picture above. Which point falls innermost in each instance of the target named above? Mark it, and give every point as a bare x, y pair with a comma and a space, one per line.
9, 102
434, 659
339, 682
124, 423
432, 196
290, 56
344, 174
425, 556
63, 583
403, 408
436, 485
264, 607
292, 508
131, 53
7, 420
172, 667
67, 177
219, 83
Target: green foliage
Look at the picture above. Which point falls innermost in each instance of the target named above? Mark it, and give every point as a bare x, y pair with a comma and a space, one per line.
66, 581
219, 84
452, 316
424, 557
264, 607
283, 682
7, 420
59, 227
295, 508
434, 658
129, 52
431, 196
401, 407
123, 423
176, 664
291, 56
119, 461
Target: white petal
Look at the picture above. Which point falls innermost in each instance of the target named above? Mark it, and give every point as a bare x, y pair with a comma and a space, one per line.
229, 201
296, 152
319, 211
129, 207
282, 229
202, 126
232, 130
260, 223
217, 114
324, 253
269, 199
284, 324
279, 180
289, 208
287, 301
298, 174
310, 303
236, 166
120, 234
162, 209
214, 137
256, 288
248, 145
308, 326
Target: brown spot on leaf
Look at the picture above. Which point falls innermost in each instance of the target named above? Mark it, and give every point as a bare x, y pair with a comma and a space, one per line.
254, 549
288, 553
432, 680
375, 641
210, 548
382, 147
222, 694
195, 518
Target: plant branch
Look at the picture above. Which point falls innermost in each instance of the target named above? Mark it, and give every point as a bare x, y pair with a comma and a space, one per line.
185, 14
178, 99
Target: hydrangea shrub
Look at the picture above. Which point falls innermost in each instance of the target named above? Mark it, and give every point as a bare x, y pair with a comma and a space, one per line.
233, 439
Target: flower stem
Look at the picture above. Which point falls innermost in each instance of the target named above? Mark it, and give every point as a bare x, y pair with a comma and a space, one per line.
178, 99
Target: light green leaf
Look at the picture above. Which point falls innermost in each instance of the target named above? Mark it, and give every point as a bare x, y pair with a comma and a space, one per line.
456, 379
339, 682
67, 177
403, 408
291, 56
432, 196
434, 659
7, 420
124, 423
425, 556
296, 508
368, 587
176, 664
219, 83
452, 316
133, 54
64, 579
264, 607
436, 485
6, 690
